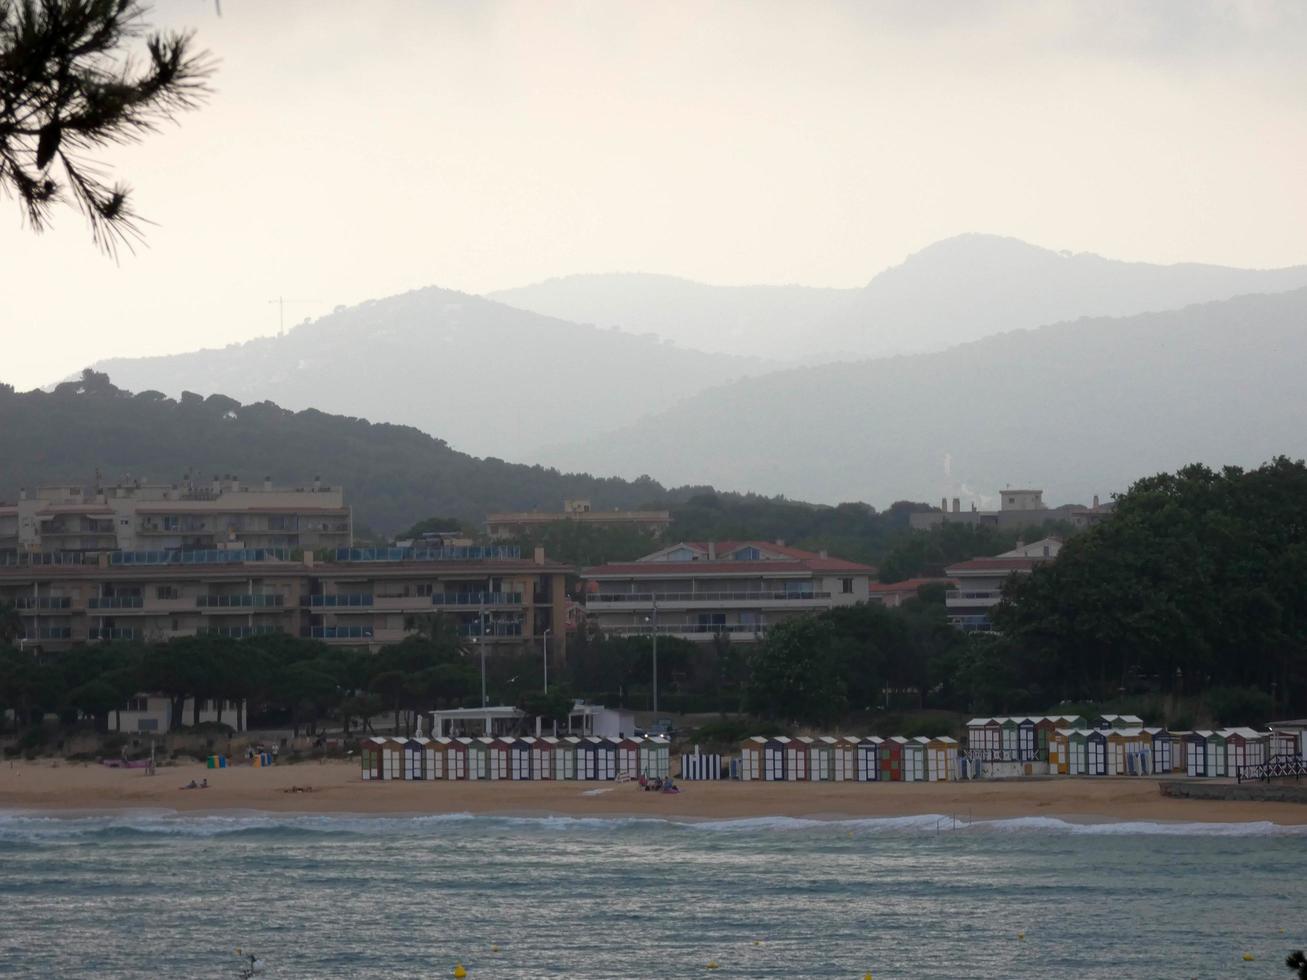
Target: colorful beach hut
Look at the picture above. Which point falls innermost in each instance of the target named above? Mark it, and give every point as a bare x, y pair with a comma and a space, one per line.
1216, 743
457, 764
1044, 728
796, 759
891, 759
1196, 753
751, 757
519, 757
1059, 752
868, 758
1244, 747
1123, 745
415, 758
1161, 754
941, 758
628, 756
1096, 752
1027, 739
1009, 732
478, 757
542, 757
370, 753
914, 760
845, 750
655, 757
821, 759
587, 758
1078, 752
606, 758
565, 758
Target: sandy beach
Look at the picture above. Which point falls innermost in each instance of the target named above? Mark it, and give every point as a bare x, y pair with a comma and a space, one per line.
336, 787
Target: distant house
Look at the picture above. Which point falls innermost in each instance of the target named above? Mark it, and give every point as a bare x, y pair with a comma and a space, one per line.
699, 590
980, 582
153, 713
894, 594
511, 525
1017, 509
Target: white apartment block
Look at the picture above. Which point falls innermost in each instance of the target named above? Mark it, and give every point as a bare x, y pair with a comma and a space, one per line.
702, 590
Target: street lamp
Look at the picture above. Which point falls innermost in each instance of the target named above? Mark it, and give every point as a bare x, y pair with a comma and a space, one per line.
545, 644
655, 654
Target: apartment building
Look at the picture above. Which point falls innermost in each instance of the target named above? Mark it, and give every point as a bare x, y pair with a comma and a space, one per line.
702, 590
515, 524
360, 597
980, 582
189, 515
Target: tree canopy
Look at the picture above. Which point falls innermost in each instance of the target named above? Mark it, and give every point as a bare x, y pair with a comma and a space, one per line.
69, 86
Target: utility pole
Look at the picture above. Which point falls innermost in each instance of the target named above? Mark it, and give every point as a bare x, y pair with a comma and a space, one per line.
655, 657
546, 658
281, 302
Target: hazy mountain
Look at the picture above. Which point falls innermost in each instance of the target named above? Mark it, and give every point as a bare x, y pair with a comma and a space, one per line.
487, 377
762, 321
973, 286
1077, 408
954, 291
393, 475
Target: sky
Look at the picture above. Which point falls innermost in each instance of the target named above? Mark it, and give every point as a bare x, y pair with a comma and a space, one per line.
356, 150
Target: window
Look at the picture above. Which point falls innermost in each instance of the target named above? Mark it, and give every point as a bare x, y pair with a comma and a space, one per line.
423, 588
748, 554
846, 586
138, 704
166, 592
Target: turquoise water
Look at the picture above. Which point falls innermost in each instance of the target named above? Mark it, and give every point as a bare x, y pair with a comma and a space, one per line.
158, 895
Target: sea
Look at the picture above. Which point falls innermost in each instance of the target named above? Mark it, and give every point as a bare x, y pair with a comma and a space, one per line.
156, 894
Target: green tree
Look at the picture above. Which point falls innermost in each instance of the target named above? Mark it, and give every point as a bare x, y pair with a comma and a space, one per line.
796, 676
68, 86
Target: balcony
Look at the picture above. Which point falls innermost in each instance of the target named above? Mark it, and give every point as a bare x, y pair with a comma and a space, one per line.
476, 598
211, 556
26, 603
240, 601
339, 632
116, 602
428, 554
112, 633
973, 597
237, 632
337, 601
475, 630
752, 599
691, 631
51, 633
972, 624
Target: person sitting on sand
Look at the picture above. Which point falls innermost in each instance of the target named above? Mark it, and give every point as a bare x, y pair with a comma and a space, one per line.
204, 783
191, 785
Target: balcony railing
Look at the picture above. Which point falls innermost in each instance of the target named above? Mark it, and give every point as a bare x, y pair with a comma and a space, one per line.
475, 553
673, 597
112, 633
337, 600
973, 594
237, 632
44, 558
340, 632
476, 598
490, 629
680, 629
211, 556
43, 602
240, 601
116, 602
52, 633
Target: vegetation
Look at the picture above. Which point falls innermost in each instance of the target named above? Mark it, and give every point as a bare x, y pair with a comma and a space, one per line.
68, 87
1194, 586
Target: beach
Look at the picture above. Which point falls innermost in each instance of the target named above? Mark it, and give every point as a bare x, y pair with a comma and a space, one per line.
336, 787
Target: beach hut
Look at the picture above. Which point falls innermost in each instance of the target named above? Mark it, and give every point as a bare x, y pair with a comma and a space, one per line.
845, 751
751, 757
984, 737
1107, 722
1059, 752
565, 758
941, 759
1196, 753
1284, 743
868, 758
1066, 721
628, 756
587, 758
437, 756
891, 759
1077, 751
370, 752
1122, 748
1161, 751
796, 759
1096, 753
1244, 747
1044, 728
496, 756
914, 760
478, 757
415, 758
1027, 739
606, 758
655, 757
821, 759
456, 758
1008, 735
1216, 742
519, 757
542, 757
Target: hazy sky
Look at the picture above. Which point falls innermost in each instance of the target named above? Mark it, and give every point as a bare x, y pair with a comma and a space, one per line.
353, 150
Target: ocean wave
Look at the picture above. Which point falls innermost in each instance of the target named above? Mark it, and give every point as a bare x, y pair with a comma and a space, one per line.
30, 826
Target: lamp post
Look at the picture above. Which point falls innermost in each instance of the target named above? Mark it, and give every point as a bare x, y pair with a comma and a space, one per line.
480, 640
655, 657
545, 645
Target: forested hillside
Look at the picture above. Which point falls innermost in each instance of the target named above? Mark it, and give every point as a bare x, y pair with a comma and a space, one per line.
393, 475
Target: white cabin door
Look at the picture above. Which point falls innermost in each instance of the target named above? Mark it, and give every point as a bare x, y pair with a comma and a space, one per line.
1026, 743
1117, 754
1076, 765
1097, 764
1216, 759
